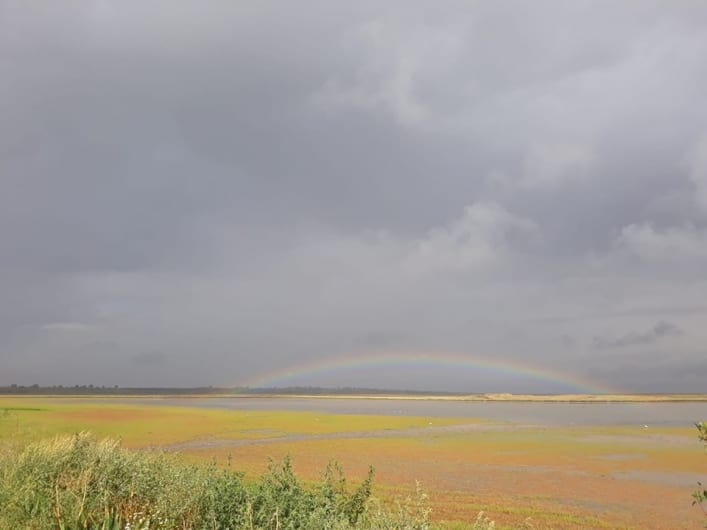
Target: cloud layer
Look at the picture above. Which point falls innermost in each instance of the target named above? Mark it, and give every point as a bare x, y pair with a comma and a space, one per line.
196, 194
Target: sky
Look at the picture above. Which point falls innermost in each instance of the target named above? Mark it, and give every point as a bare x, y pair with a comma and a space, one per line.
207, 193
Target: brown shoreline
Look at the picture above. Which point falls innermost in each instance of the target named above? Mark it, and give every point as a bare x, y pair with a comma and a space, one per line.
550, 398
491, 398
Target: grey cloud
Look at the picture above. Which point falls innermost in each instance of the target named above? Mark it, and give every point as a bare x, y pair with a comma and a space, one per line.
658, 331
653, 368
567, 341
669, 245
698, 170
378, 339
244, 186
150, 358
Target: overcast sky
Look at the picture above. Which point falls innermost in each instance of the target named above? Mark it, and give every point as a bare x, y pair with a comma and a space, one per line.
196, 193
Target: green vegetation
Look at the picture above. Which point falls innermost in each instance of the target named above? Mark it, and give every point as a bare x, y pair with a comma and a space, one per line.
28, 419
82, 482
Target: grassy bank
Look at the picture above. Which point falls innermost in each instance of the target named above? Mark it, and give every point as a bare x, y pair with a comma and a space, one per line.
82, 482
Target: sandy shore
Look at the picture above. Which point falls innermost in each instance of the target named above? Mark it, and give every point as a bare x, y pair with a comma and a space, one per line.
549, 398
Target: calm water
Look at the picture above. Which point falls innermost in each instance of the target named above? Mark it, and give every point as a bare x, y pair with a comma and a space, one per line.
557, 414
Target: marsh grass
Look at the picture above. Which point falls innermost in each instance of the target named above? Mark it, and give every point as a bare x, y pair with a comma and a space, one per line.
139, 425
79, 481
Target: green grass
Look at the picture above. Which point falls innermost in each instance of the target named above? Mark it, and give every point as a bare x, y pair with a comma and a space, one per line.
145, 425
82, 482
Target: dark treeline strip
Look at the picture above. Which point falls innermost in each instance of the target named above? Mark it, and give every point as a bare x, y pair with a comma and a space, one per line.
90, 390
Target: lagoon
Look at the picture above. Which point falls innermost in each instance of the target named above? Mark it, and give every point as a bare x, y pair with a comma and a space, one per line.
676, 414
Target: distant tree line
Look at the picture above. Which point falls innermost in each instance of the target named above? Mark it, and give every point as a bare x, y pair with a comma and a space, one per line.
90, 390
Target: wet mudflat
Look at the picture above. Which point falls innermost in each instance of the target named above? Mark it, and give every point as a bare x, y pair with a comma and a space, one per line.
548, 414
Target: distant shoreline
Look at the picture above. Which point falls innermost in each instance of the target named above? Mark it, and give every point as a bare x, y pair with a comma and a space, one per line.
550, 398
478, 398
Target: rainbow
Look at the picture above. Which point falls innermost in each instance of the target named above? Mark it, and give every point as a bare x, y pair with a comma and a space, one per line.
294, 375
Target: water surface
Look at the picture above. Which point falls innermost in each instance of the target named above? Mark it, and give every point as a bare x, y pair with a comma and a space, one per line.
533, 413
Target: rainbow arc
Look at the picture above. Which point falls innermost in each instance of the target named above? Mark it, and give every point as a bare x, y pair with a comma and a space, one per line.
298, 374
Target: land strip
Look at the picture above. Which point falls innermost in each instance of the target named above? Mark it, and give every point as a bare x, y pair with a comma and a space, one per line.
557, 476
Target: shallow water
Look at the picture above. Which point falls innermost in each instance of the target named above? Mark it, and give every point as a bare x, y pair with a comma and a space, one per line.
549, 414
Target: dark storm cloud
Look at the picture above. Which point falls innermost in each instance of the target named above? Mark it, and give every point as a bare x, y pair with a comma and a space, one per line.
657, 332
245, 186
652, 368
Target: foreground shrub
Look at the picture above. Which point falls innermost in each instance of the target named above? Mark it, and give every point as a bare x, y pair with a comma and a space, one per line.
80, 482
